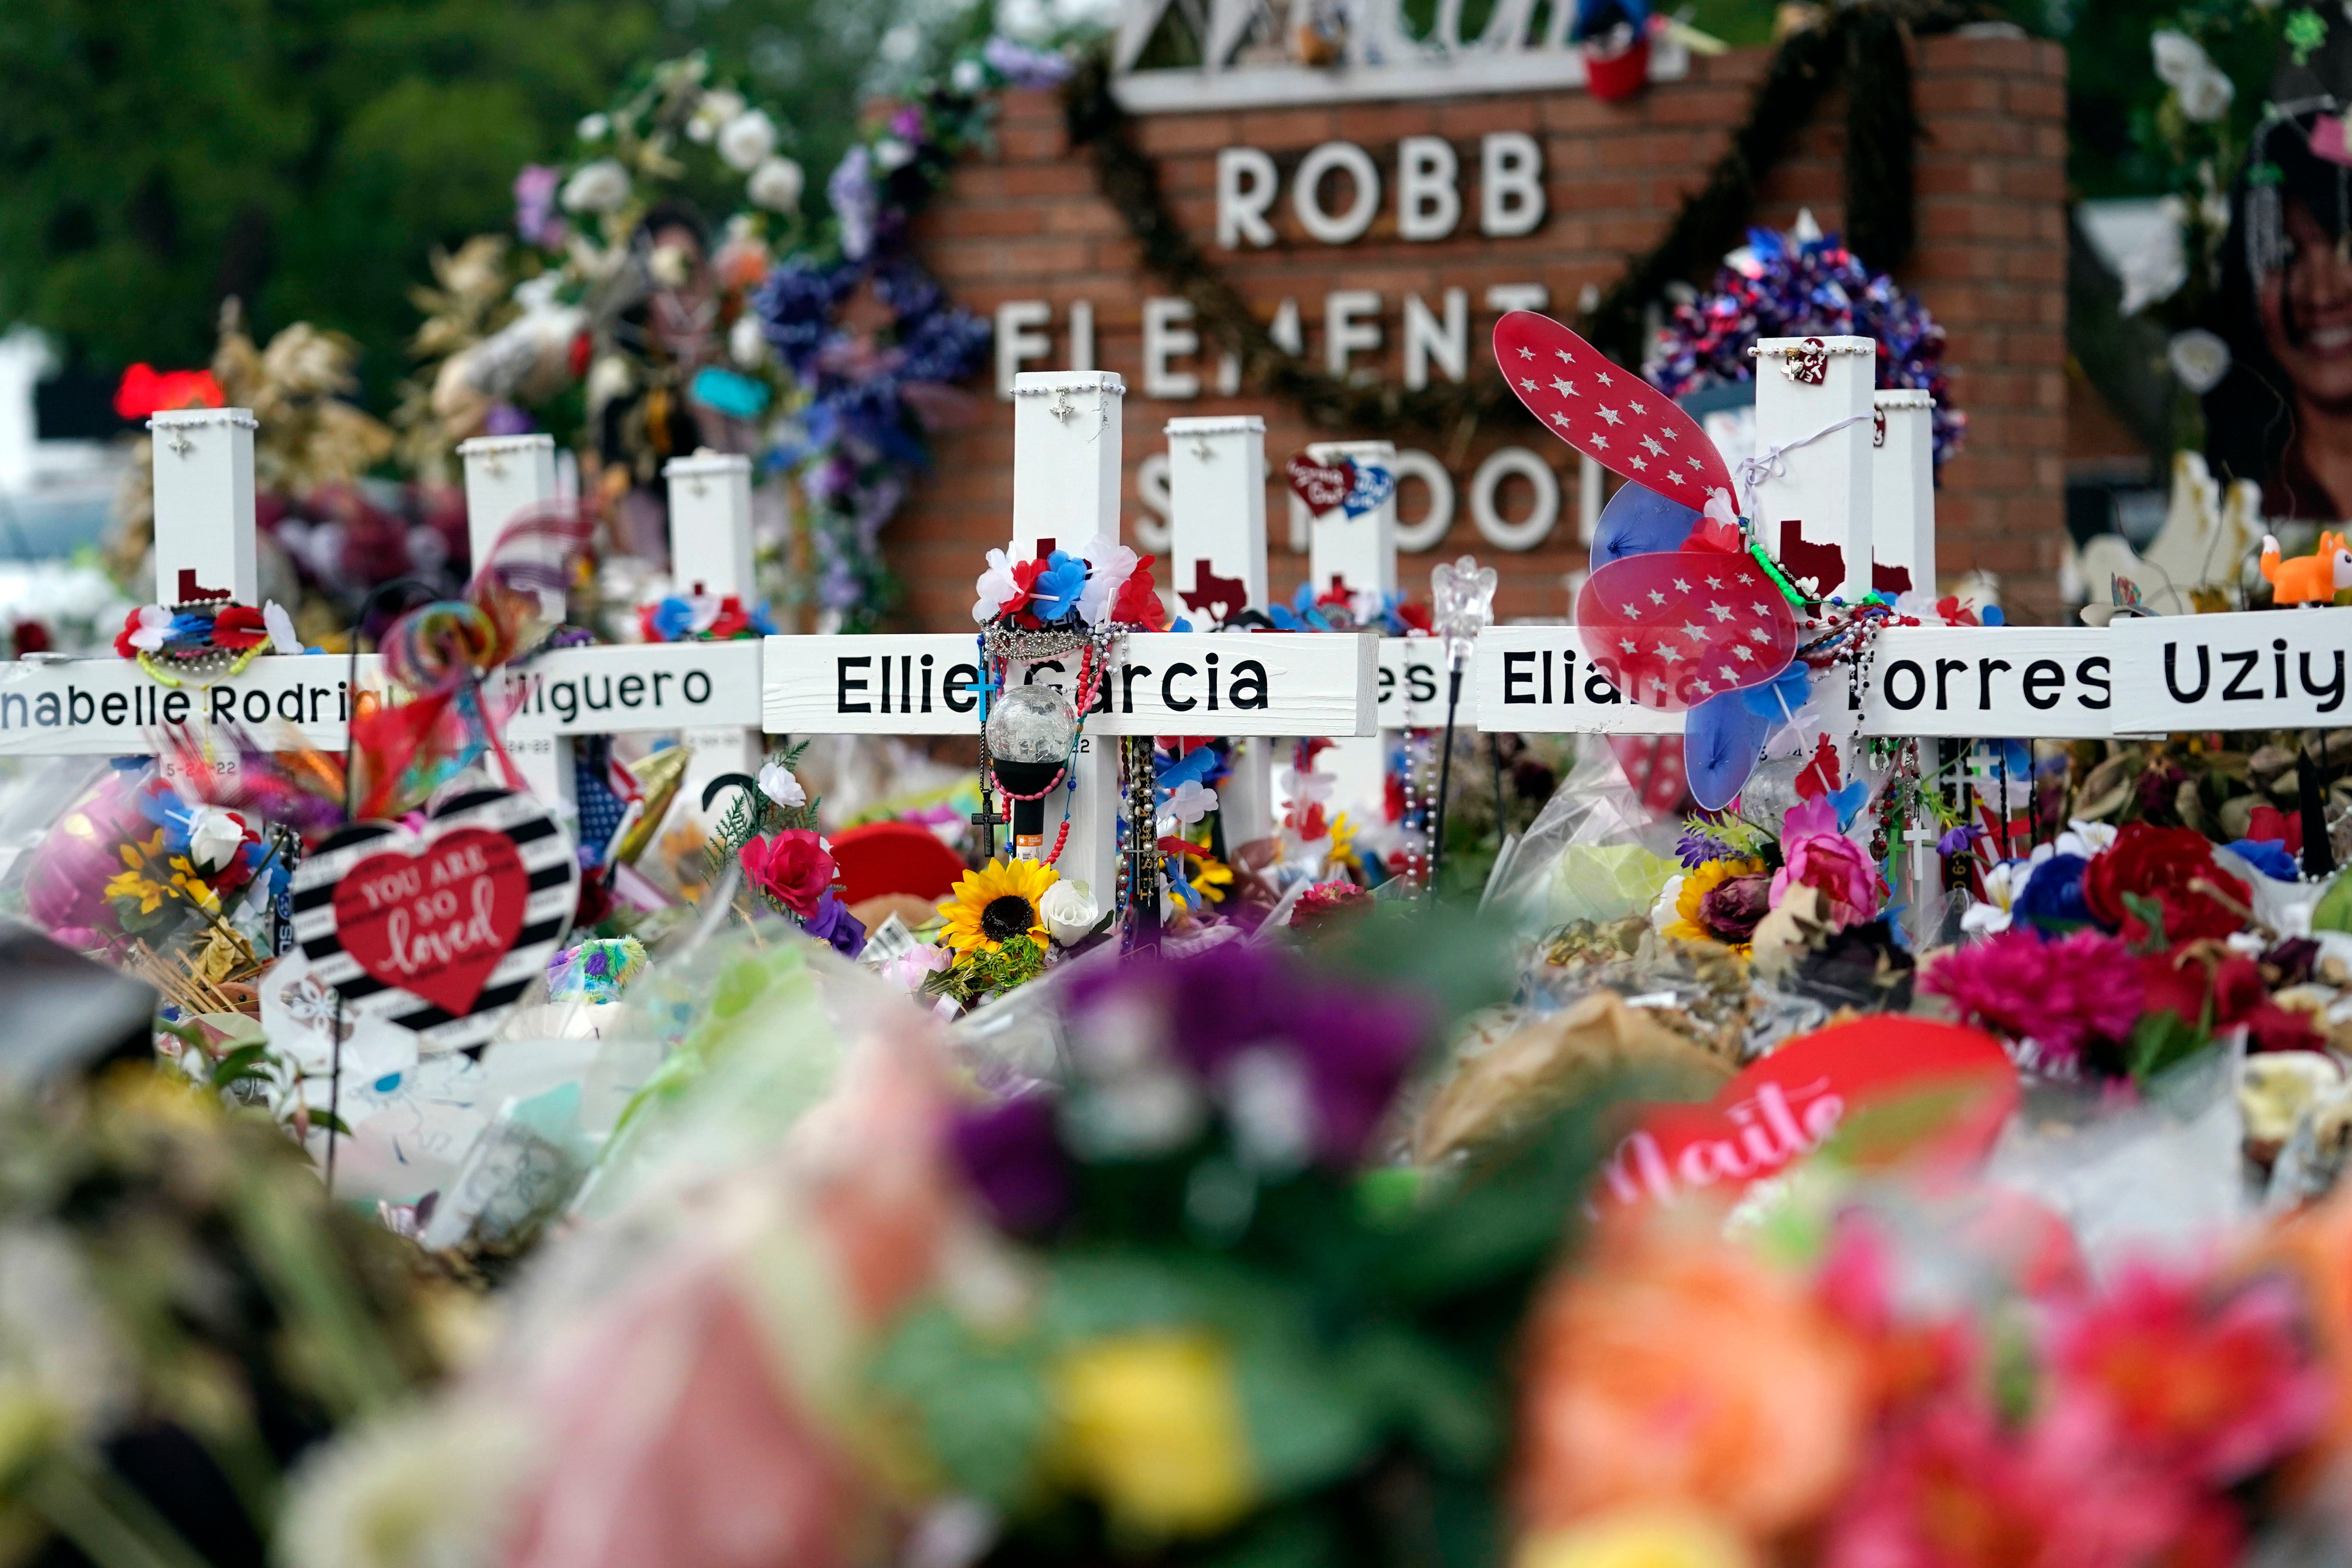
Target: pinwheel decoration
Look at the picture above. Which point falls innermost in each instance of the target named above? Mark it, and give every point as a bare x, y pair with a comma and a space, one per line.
1682, 613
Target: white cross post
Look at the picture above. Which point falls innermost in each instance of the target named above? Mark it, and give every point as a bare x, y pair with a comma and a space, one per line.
710, 552
1065, 476
507, 476
204, 546
1813, 500
1903, 493
1359, 554
1217, 533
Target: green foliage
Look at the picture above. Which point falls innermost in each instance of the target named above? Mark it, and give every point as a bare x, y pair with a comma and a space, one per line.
306, 155
984, 974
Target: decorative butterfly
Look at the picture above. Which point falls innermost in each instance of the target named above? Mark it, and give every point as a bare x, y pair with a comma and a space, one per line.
1677, 612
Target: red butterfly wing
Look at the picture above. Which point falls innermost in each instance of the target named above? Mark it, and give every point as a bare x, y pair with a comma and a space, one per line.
1607, 412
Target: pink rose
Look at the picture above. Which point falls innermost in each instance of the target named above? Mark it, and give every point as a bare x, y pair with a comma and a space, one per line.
1837, 868
793, 868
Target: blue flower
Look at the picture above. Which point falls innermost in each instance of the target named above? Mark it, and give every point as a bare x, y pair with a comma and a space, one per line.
2268, 855
2052, 899
672, 619
1058, 586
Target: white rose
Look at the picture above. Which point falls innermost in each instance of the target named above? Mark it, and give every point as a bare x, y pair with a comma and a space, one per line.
1069, 910
2207, 96
2199, 358
2179, 56
778, 784
775, 184
967, 77
890, 153
747, 140
213, 835
594, 126
598, 188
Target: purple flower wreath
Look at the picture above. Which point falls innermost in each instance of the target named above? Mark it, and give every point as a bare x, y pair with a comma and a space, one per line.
1780, 286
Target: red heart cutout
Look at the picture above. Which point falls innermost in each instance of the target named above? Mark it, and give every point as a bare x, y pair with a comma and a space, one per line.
1607, 412
1791, 1102
1321, 485
1673, 627
435, 921
1653, 765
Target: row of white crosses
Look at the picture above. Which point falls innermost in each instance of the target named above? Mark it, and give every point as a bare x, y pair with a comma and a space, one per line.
1065, 493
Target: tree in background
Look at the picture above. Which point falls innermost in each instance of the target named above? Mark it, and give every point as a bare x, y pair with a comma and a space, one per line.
307, 155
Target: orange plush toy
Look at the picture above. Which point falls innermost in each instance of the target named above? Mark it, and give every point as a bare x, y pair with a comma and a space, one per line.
2311, 579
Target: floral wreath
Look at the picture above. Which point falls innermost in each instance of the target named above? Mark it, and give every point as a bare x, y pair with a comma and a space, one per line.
1804, 284
206, 636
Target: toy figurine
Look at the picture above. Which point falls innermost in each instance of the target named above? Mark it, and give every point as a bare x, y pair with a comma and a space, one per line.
2312, 579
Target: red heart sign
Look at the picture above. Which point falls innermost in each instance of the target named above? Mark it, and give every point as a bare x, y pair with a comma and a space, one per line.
1321, 486
1673, 627
1791, 1102
442, 931
1607, 412
437, 920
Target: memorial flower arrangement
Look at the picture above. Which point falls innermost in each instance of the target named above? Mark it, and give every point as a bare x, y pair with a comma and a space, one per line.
769, 836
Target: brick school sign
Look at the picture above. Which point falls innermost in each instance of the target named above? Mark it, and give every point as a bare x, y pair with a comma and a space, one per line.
1382, 237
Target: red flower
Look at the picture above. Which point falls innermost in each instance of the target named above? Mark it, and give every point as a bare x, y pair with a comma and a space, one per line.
2174, 868
1138, 603
2269, 822
123, 644
730, 621
2189, 978
239, 628
793, 868
2225, 1388
1414, 615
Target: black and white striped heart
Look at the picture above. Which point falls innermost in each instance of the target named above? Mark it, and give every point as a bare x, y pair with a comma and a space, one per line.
439, 932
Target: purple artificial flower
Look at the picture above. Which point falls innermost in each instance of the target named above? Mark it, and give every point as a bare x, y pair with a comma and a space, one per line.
535, 216
907, 123
832, 923
1350, 1043
1958, 839
1013, 1160
1697, 847
856, 203
1023, 67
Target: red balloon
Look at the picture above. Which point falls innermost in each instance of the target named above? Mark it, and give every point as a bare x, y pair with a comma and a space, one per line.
1673, 628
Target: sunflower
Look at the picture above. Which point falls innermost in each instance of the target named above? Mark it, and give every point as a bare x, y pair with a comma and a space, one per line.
995, 904
1690, 899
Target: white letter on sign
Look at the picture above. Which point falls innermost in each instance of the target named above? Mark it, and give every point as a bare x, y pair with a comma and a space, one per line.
1428, 206
1425, 340
1020, 339
1306, 192
1246, 184
1510, 184
1164, 337
1350, 322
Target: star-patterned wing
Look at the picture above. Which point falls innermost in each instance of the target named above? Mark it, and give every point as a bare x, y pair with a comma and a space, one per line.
1673, 628
1606, 411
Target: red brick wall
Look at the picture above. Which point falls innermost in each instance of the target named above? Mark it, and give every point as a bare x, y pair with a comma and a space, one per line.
1990, 263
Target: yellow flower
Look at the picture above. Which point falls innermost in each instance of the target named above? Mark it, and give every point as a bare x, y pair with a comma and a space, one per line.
1638, 1538
995, 904
1343, 837
131, 885
1709, 876
1151, 1425
1214, 877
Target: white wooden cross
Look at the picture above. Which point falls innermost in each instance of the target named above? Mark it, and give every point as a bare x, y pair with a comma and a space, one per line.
1066, 436
710, 552
204, 545
1358, 556
618, 690
1216, 547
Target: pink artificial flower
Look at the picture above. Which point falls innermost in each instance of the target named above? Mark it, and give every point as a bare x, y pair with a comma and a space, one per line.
1833, 865
2064, 993
1953, 1489
794, 868
2224, 1384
